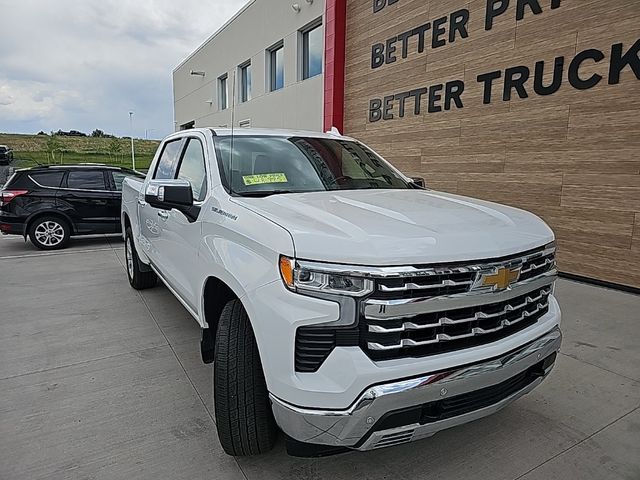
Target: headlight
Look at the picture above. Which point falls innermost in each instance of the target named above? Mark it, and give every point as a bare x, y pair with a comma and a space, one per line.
300, 276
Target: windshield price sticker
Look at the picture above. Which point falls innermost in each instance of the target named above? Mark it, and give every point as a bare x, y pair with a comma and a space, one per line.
263, 178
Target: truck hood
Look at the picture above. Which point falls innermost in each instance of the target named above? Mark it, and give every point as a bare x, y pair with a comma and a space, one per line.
396, 227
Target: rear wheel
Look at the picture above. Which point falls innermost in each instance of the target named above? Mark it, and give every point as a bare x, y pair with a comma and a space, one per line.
244, 419
49, 233
138, 278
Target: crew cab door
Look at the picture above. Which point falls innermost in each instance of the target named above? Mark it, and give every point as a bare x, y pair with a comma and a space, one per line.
180, 235
152, 219
85, 196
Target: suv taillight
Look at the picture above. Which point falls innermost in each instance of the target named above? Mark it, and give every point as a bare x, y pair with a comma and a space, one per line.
7, 195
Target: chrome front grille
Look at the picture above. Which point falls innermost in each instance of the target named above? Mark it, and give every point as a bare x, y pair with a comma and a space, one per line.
513, 313
431, 283
418, 311
434, 281
447, 308
455, 329
538, 263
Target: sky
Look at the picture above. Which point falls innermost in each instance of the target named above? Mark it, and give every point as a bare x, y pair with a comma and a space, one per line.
85, 64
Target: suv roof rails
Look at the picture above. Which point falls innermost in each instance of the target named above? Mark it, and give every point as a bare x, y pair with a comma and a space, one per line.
75, 165
87, 164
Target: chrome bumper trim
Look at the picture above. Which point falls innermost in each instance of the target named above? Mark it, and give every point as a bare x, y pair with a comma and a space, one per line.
411, 433
348, 427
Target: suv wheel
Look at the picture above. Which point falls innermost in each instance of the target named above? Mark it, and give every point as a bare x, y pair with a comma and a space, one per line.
244, 418
49, 233
138, 278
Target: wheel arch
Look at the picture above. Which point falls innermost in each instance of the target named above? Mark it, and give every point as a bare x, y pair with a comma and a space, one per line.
47, 213
216, 293
125, 222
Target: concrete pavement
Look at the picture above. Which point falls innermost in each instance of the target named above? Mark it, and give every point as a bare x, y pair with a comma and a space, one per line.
100, 381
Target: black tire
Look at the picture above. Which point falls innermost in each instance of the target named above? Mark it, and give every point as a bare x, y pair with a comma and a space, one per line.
50, 232
138, 278
244, 418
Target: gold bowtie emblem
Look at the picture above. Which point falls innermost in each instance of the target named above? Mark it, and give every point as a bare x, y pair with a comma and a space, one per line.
502, 278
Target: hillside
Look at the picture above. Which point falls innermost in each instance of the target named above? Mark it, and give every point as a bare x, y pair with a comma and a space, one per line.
32, 149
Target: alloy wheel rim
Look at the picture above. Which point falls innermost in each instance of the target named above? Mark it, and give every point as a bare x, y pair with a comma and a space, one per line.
49, 233
129, 256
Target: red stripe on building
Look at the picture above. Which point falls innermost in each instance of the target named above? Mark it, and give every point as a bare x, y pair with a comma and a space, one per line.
334, 58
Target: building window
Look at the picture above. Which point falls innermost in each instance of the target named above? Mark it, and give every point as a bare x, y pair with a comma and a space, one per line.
223, 92
245, 82
312, 51
276, 67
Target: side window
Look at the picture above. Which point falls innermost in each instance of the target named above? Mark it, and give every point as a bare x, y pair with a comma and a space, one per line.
48, 179
192, 169
86, 180
118, 178
168, 160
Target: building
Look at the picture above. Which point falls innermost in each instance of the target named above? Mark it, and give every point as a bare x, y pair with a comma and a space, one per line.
531, 103
275, 54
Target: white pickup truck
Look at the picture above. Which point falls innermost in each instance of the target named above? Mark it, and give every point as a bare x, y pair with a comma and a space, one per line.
340, 301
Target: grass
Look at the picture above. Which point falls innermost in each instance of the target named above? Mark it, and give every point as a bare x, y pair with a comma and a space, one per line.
30, 150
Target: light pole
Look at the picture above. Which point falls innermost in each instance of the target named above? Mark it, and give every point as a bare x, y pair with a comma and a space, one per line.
147, 131
133, 153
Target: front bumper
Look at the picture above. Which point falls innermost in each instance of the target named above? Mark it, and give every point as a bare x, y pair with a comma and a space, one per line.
405, 410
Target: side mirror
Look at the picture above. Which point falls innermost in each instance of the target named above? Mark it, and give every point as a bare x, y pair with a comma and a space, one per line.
419, 181
172, 194
168, 194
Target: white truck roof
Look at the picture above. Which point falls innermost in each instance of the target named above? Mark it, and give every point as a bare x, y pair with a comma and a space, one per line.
272, 132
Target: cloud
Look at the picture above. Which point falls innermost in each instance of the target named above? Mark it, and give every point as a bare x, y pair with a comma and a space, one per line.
84, 64
33, 101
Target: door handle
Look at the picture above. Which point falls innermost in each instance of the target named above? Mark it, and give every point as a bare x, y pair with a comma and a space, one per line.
163, 214
141, 202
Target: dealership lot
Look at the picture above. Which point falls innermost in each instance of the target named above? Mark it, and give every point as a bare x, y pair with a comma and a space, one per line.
100, 381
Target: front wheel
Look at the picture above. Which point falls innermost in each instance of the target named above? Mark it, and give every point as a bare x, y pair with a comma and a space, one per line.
244, 418
49, 233
138, 278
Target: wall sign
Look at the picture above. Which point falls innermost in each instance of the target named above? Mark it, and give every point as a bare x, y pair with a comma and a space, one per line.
520, 80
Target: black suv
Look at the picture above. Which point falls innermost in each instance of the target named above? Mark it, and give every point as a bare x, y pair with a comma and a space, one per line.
6, 154
51, 203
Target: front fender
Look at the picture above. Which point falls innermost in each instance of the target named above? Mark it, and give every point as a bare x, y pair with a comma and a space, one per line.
243, 252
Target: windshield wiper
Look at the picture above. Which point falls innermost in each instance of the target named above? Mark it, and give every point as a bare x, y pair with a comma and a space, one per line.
267, 193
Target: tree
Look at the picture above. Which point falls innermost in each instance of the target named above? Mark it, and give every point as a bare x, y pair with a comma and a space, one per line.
97, 133
53, 146
114, 148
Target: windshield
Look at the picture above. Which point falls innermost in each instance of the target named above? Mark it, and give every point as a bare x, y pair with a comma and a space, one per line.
268, 165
